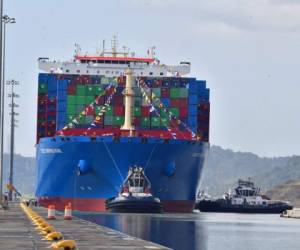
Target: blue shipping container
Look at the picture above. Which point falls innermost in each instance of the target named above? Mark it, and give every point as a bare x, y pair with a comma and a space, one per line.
192, 110
61, 117
61, 106
43, 78
52, 94
192, 121
165, 101
62, 95
62, 84
193, 100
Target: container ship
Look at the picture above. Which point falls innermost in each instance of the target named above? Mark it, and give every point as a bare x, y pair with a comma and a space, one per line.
98, 115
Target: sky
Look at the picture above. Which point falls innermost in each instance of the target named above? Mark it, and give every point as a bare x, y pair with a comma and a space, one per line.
247, 51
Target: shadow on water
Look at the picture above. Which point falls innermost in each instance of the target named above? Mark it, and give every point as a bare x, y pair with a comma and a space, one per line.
208, 231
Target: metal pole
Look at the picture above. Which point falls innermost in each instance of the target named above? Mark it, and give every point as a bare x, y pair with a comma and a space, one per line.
2, 99
1, 108
12, 131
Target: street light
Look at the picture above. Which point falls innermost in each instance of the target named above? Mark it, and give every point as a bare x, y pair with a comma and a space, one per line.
5, 20
1, 110
12, 105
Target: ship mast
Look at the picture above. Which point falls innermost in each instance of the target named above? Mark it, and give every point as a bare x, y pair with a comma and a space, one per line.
129, 100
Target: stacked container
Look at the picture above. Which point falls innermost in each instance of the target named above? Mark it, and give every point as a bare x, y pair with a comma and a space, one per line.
63, 99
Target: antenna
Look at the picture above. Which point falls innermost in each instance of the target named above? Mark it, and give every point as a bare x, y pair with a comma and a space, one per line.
77, 49
114, 45
103, 47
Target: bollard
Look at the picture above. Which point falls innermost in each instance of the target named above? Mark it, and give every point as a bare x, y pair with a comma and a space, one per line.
68, 212
51, 212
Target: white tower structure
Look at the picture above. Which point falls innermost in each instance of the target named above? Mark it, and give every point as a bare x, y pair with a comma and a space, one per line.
129, 100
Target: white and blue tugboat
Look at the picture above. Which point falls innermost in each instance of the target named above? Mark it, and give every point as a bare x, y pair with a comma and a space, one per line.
245, 199
135, 195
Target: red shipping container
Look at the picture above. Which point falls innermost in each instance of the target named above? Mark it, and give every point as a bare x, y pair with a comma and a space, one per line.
89, 110
183, 112
137, 122
51, 113
42, 97
119, 110
41, 124
72, 89
204, 106
100, 100
179, 102
157, 82
118, 100
145, 111
122, 80
203, 118
165, 92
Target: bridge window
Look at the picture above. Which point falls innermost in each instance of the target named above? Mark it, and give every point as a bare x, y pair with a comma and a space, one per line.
67, 70
150, 73
161, 73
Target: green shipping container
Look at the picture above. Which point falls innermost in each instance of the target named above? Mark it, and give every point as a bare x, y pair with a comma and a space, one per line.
80, 90
43, 88
155, 122
108, 119
80, 108
70, 118
71, 100
183, 92
41, 119
89, 119
71, 109
174, 92
89, 100
82, 119
118, 120
137, 111
98, 109
174, 111
99, 91
104, 80
156, 92
165, 122
90, 90
164, 114
80, 100
145, 122
137, 92
109, 111
137, 101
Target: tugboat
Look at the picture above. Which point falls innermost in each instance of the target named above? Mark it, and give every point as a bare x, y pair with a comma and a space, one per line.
246, 199
135, 195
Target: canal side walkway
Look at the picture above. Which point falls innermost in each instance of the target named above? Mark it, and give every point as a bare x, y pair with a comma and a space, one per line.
18, 232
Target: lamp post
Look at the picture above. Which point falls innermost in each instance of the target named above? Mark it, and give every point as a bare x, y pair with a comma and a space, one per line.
12, 105
5, 20
1, 108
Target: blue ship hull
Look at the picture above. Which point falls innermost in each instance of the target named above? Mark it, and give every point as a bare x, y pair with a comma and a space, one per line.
173, 168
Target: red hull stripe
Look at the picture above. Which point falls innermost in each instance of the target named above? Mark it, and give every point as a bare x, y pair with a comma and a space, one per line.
98, 205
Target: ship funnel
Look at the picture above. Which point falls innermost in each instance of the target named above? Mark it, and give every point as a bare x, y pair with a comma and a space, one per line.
129, 100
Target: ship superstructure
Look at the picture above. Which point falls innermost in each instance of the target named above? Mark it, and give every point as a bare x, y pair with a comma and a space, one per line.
99, 114
114, 63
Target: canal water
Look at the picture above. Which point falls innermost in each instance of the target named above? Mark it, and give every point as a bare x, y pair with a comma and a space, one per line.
206, 231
